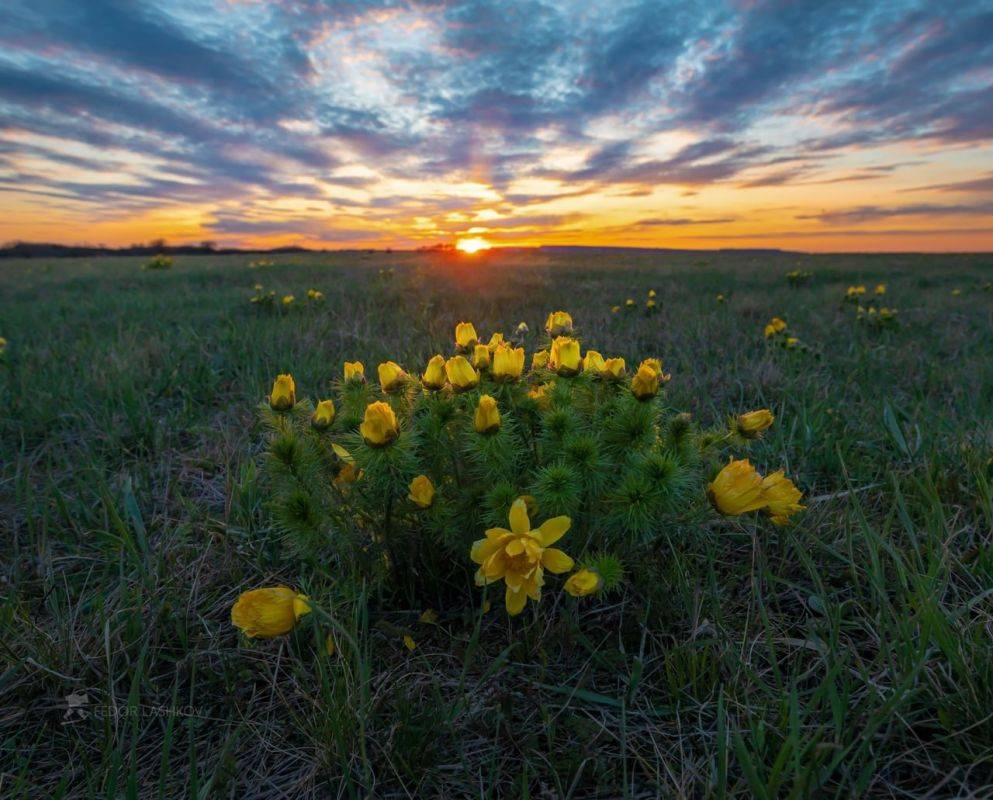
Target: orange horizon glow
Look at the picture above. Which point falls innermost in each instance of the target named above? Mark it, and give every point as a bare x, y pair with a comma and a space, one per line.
473, 245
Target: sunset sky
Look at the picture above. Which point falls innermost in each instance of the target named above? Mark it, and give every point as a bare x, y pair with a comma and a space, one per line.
811, 125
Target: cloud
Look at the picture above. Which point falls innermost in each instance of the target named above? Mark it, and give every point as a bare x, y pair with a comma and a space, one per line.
869, 213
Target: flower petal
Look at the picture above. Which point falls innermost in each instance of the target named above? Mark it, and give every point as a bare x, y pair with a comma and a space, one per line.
515, 547
519, 522
515, 601
556, 561
553, 529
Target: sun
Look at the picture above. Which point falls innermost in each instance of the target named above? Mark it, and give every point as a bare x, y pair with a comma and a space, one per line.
473, 245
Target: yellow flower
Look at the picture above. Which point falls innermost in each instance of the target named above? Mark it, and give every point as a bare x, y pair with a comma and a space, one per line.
651, 293
630, 302
737, 489
645, 383
465, 336
284, 393
520, 556
720, 298
323, 415
880, 288
434, 376
429, 616
508, 363
461, 374
408, 642
565, 357
313, 294
264, 613
559, 323
481, 357
354, 371
956, 292
613, 369
614, 309
782, 497
288, 299
391, 376
539, 360
650, 305
792, 342
583, 582
422, 491
752, 423
593, 362
497, 338
487, 419
540, 394
379, 427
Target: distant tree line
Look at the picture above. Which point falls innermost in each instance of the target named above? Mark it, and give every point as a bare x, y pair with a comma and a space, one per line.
49, 250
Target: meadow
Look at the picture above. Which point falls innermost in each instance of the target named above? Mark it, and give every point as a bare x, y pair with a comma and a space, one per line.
848, 654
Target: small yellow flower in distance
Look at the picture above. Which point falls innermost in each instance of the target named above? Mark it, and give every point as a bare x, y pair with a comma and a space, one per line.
737, 489
613, 369
645, 383
408, 642
614, 309
650, 305
461, 374
487, 419
313, 294
559, 323
465, 336
880, 288
323, 415
583, 582
288, 299
778, 324
752, 423
651, 293
593, 362
565, 357
720, 298
539, 360
429, 616
497, 338
258, 287
284, 393
329, 646
792, 342
354, 372
522, 329
379, 427
269, 612
391, 376
508, 362
781, 496
520, 556
422, 491
630, 302
481, 357
434, 377
956, 292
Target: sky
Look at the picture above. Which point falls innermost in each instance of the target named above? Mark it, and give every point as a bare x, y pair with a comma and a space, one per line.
810, 125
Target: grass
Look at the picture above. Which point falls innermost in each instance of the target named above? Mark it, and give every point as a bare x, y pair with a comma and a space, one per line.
848, 655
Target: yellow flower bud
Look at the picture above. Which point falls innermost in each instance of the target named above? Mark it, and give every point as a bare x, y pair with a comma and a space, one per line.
481, 357
265, 613
422, 491
434, 376
559, 323
593, 362
284, 393
613, 369
650, 305
508, 363
583, 582
288, 299
461, 374
391, 376
737, 489
379, 427
752, 423
465, 336
323, 415
565, 357
354, 371
630, 302
645, 383
539, 360
880, 288
614, 309
497, 339
651, 293
781, 496
487, 419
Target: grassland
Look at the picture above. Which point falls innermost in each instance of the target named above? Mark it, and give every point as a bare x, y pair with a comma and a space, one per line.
848, 655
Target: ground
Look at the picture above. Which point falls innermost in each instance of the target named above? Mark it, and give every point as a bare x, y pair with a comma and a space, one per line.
850, 654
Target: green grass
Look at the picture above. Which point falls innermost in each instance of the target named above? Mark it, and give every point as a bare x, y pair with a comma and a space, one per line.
850, 654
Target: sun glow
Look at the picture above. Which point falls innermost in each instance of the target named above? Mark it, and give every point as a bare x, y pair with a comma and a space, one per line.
473, 245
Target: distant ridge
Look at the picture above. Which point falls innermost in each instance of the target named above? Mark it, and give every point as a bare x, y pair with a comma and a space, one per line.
581, 248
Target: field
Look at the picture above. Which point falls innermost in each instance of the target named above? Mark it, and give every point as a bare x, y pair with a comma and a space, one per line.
848, 654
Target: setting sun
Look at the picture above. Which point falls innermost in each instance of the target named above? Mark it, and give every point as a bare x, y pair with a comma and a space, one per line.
472, 245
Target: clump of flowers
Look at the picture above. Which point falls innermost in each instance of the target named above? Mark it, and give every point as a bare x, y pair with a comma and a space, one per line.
776, 332
854, 293
315, 295
798, 277
159, 261
403, 483
879, 318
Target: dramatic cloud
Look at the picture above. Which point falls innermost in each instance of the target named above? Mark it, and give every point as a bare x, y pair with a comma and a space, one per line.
383, 122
